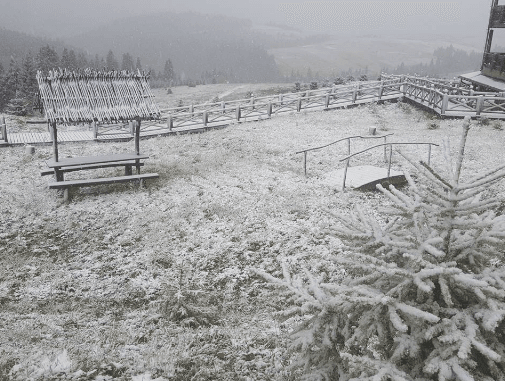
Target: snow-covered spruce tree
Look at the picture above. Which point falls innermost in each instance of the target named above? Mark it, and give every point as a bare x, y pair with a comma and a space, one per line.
423, 296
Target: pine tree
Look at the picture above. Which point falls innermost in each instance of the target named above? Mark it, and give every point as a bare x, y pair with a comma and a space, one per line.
127, 62
111, 61
47, 59
423, 295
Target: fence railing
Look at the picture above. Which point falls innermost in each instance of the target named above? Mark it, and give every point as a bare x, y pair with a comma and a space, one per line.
445, 97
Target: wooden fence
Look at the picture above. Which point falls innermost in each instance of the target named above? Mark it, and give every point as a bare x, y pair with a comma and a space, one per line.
452, 99
257, 108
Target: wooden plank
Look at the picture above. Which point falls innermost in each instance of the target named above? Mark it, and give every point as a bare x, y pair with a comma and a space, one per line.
85, 160
91, 166
100, 181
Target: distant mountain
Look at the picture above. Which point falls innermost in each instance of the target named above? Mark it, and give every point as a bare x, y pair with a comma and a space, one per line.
194, 42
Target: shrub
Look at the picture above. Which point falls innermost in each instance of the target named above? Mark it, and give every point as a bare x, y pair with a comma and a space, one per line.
298, 87
423, 296
313, 85
433, 124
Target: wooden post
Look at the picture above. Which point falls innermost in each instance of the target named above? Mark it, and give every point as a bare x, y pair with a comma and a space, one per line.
94, 124
305, 163
192, 109
354, 95
299, 104
345, 173
429, 153
348, 146
54, 138
385, 149
381, 90
480, 104
170, 122
4, 130
269, 109
327, 101
237, 113
131, 125
205, 118
280, 99
390, 157
137, 143
445, 103
223, 107
252, 102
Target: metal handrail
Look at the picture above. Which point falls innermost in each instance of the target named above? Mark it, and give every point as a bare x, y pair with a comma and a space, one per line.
390, 144
337, 141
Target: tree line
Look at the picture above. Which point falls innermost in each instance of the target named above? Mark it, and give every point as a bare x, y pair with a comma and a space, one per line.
446, 61
18, 84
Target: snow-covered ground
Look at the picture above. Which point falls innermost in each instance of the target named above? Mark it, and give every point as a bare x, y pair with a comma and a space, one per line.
86, 288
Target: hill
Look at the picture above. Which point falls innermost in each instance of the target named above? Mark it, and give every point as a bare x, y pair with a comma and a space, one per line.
195, 43
17, 45
114, 284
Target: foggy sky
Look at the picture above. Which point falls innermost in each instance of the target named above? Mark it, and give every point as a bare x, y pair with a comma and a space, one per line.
64, 18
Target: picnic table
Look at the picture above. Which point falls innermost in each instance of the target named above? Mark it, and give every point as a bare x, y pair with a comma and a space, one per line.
59, 167
70, 97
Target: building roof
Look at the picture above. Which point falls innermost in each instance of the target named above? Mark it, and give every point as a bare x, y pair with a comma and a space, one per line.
84, 97
478, 78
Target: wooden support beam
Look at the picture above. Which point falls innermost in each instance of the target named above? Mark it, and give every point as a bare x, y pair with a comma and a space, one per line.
4, 130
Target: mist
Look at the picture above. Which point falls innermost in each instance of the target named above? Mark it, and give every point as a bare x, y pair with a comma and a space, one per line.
59, 19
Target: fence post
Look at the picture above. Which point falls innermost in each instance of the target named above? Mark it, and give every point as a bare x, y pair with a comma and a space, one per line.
192, 109
4, 130
95, 129
170, 122
280, 99
354, 95
252, 103
223, 107
237, 113
327, 101
205, 118
299, 104
381, 90
132, 128
445, 103
480, 104
269, 109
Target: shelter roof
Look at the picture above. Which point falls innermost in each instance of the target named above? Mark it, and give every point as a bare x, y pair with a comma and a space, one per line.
84, 97
477, 78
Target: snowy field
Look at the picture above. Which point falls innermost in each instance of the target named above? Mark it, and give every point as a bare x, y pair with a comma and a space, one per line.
155, 283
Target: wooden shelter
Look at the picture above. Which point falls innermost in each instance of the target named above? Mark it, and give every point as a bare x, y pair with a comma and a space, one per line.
93, 97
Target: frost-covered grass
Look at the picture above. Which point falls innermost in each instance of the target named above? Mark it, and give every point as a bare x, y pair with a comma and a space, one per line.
99, 286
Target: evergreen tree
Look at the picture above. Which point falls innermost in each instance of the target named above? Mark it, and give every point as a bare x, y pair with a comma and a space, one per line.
47, 59
27, 82
111, 62
127, 62
169, 71
82, 61
423, 294
9, 84
138, 65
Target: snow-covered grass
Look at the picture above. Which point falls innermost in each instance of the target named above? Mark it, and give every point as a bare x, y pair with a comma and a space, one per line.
89, 289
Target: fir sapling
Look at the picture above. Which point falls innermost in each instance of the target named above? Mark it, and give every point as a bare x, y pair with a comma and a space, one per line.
423, 297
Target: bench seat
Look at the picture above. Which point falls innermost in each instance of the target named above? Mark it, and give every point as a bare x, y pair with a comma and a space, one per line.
87, 160
91, 166
106, 180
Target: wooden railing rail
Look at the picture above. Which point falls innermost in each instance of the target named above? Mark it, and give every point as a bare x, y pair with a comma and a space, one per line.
348, 139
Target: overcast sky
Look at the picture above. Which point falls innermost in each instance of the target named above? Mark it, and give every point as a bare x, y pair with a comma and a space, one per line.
60, 18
